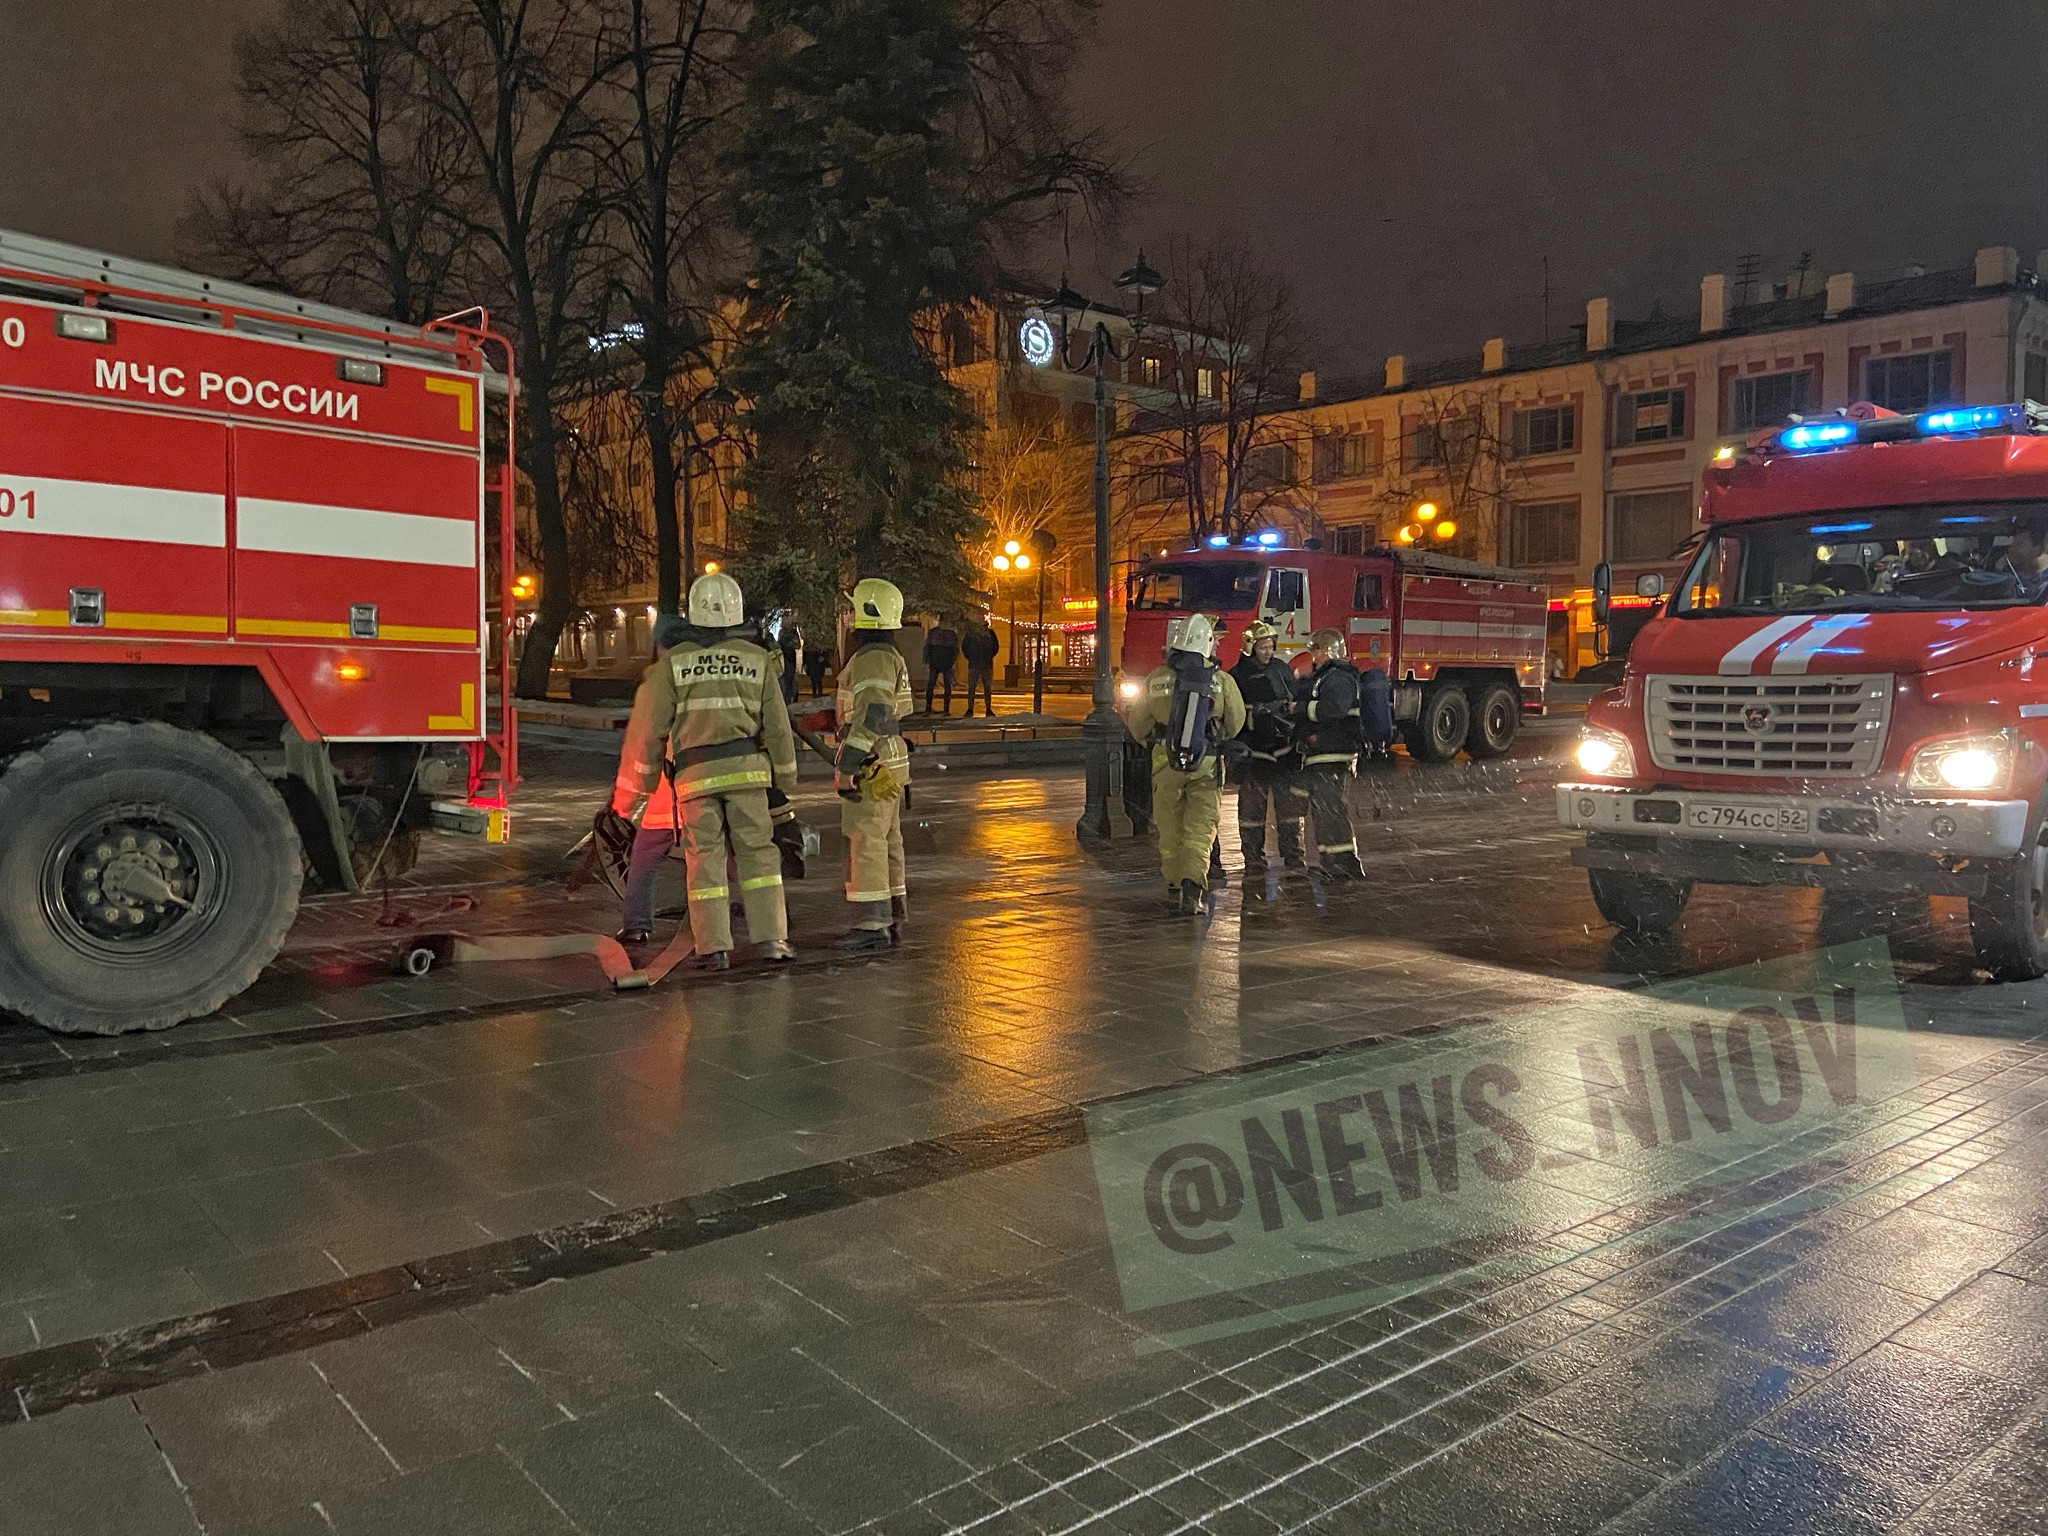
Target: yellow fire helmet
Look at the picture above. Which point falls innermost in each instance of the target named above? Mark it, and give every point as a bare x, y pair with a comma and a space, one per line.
1260, 630
1327, 642
877, 604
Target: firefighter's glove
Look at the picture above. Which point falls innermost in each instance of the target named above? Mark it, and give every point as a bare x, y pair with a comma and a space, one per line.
878, 783
788, 838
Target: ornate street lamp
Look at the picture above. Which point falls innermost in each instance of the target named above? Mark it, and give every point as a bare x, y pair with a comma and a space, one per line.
1104, 733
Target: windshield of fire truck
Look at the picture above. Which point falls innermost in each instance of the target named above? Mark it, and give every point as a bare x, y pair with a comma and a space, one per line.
1945, 556
1216, 586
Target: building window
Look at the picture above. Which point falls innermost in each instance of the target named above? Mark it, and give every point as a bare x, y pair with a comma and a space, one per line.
1149, 369
1269, 467
1650, 525
1445, 445
1368, 590
1767, 399
1155, 482
1545, 533
1652, 416
1550, 429
1345, 456
2037, 379
1205, 383
1911, 381
1348, 540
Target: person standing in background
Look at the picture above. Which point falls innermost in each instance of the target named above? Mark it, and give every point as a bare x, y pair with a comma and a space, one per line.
941, 650
980, 648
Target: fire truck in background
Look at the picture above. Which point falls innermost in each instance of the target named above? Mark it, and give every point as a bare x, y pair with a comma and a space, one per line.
1848, 688
243, 621
1462, 642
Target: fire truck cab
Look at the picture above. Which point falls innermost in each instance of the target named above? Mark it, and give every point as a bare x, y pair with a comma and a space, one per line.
1848, 688
1462, 642
243, 633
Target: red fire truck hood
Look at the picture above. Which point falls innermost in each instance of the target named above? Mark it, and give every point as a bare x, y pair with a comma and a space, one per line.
1823, 643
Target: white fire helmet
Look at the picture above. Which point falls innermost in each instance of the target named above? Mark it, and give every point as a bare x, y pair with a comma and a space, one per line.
1195, 633
877, 604
716, 602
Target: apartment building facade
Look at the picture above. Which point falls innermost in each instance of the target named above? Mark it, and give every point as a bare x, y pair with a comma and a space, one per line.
1556, 456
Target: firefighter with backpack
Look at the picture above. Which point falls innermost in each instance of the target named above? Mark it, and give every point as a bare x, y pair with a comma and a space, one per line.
1188, 709
1330, 732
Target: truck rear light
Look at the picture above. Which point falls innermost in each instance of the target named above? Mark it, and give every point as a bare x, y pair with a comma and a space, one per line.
76, 326
351, 671
359, 370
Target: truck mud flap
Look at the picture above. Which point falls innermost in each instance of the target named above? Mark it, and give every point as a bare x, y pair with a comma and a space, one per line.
1710, 865
426, 951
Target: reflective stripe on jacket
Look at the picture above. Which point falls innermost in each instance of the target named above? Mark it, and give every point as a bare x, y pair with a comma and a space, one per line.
702, 700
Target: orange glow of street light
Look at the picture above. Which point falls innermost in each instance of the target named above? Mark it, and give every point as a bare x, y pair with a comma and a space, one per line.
1425, 512
1023, 562
1001, 562
1012, 547
1446, 529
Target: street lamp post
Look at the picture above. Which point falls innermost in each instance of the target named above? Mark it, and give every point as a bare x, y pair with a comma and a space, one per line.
1103, 816
1044, 542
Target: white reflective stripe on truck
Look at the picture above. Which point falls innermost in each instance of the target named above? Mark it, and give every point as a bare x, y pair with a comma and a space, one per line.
92, 509
1739, 657
1798, 654
354, 533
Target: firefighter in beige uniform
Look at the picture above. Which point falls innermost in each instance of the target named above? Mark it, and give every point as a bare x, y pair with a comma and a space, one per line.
874, 767
1189, 708
714, 699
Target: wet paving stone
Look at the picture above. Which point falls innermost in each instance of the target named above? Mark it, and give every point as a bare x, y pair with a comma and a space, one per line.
827, 1250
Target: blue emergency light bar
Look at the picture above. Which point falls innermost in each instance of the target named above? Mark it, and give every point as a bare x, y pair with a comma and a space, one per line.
1269, 539
1219, 541
1949, 421
1810, 436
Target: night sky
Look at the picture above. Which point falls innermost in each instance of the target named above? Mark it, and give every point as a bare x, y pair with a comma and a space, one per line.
1407, 166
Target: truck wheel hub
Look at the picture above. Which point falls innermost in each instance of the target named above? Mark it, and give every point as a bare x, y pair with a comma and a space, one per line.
131, 885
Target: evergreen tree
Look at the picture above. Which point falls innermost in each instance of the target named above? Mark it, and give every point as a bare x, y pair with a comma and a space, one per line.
854, 195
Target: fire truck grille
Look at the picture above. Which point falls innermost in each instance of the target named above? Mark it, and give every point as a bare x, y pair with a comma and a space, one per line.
1826, 726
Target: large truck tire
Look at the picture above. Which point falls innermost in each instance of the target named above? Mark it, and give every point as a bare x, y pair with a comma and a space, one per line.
1496, 716
1439, 731
147, 875
2009, 922
1638, 904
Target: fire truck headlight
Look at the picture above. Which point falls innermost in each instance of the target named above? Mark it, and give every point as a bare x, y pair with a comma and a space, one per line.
1969, 763
1605, 754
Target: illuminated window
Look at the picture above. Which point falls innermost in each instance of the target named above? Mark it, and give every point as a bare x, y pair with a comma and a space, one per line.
1652, 416
1205, 383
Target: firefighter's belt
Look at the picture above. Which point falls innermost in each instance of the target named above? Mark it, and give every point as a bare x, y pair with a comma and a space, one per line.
691, 757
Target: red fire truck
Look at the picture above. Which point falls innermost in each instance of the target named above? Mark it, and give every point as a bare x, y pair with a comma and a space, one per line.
1844, 689
1462, 642
242, 621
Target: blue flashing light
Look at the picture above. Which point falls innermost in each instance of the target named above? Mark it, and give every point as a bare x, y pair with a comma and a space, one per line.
1810, 436
1967, 418
1840, 528
1219, 540
1268, 539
